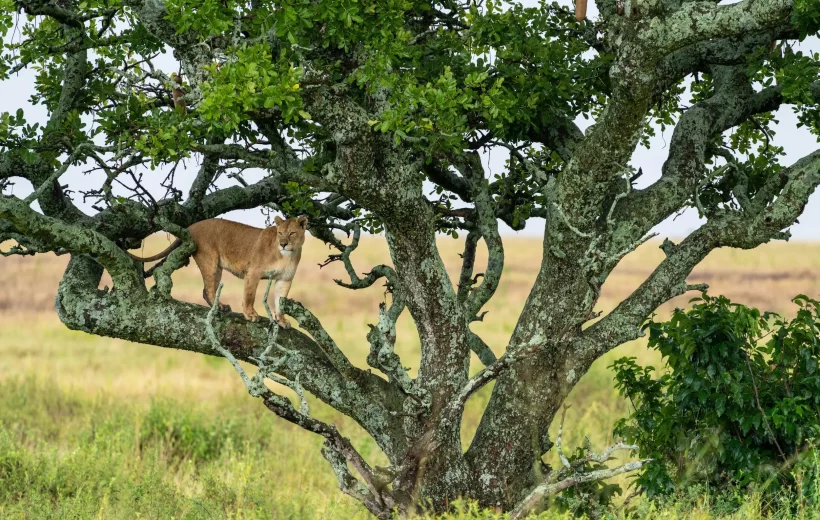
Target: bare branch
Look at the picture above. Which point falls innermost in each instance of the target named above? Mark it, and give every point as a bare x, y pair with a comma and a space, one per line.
379, 271
558, 481
337, 450
772, 436
546, 490
311, 324
75, 155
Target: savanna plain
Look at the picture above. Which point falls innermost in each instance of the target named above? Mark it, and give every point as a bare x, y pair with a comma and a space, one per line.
95, 428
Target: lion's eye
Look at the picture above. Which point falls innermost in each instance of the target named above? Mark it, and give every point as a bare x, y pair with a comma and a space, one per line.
293, 233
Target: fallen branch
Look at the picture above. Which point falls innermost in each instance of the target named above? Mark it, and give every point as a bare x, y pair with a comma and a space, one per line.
551, 489
558, 481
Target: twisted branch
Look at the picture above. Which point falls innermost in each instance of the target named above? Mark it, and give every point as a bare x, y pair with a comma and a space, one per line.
337, 449
558, 481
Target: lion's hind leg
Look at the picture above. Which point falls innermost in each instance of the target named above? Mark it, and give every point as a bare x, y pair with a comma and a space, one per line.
211, 276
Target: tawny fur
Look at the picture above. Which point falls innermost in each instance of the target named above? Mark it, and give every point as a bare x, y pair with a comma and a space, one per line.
580, 10
249, 253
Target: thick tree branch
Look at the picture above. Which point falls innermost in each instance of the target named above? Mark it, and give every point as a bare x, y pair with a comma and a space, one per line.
733, 103
203, 180
465, 279
311, 324
487, 226
695, 22
368, 399
57, 234
564, 137
50, 195
65, 16
699, 57
337, 449
741, 229
177, 259
449, 180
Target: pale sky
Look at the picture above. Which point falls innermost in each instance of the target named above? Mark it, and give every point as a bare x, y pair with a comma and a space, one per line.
796, 141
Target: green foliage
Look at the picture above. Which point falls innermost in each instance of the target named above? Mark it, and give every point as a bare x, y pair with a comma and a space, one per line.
251, 84
736, 403
806, 16
434, 79
202, 17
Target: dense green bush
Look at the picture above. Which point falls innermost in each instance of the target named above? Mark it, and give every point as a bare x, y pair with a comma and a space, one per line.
735, 404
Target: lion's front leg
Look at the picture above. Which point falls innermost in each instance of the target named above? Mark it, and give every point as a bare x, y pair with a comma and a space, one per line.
251, 283
281, 288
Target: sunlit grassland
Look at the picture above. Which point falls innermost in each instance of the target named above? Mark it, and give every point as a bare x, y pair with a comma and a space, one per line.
103, 428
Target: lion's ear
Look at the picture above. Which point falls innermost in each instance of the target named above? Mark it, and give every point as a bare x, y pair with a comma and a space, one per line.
303, 221
278, 220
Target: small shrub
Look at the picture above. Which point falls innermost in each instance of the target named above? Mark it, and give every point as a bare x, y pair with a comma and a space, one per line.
736, 404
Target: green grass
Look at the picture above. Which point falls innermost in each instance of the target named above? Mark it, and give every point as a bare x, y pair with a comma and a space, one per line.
64, 455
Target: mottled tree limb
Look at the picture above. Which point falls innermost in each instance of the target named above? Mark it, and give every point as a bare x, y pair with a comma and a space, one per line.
365, 397
207, 172
487, 226
741, 229
465, 279
699, 21
175, 260
337, 448
311, 324
733, 102
56, 234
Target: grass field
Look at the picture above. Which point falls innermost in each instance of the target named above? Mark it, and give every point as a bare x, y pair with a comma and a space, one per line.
97, 428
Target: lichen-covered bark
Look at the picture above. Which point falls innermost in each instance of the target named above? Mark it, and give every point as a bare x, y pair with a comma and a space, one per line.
441, 473
512, 436
583, 242
154, 320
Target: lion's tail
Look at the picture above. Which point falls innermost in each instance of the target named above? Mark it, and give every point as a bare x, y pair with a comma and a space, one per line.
175, 244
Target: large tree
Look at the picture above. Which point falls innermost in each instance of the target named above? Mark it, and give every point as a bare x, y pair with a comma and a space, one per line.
371, 116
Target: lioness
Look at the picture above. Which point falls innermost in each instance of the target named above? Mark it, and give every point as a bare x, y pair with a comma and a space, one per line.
247, 252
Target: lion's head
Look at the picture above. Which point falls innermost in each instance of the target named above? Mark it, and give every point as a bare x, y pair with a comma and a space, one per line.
290, 234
